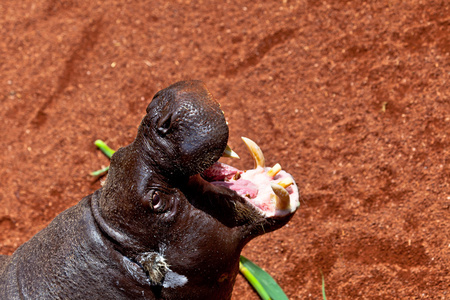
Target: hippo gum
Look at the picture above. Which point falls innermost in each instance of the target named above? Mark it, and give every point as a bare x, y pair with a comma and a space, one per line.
169, 222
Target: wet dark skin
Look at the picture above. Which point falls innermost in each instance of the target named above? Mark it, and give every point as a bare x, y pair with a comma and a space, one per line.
153, 203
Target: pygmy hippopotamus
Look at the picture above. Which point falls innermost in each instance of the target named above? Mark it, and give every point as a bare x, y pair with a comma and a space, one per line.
170, 220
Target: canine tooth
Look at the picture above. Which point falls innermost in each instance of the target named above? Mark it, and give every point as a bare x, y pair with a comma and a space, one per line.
283, 201
256, 152
286, 182
274, 170
228, 152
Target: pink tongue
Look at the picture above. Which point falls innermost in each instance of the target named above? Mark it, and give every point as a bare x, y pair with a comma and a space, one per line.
220, 171
244, 188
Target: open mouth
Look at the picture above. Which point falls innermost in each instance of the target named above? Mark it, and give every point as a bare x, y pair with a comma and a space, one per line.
271, 191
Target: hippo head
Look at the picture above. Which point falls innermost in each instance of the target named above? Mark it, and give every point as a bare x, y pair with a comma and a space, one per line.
178, 216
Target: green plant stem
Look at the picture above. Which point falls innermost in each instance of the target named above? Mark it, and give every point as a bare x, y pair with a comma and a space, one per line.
100, 172
105, 149
323, 286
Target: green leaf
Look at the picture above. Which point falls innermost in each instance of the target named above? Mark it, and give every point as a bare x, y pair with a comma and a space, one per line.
105, 149
261, 281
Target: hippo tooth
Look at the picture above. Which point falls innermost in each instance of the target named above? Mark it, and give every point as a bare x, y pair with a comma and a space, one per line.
228, 152
256, 152
286, 182
274, 170
283, 201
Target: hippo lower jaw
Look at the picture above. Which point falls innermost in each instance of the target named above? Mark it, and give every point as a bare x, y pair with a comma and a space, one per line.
271, 191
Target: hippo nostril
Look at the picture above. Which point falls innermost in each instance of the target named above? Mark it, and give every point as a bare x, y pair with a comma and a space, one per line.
165, 124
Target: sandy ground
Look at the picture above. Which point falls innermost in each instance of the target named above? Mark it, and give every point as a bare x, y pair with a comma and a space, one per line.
352, 98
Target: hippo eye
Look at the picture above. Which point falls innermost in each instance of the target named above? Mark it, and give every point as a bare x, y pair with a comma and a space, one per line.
156, 199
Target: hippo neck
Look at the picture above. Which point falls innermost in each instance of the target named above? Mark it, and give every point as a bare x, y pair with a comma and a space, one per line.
118, 207
113, 235
121, 205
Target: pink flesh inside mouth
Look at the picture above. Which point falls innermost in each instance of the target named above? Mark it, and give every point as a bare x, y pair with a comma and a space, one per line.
255, 186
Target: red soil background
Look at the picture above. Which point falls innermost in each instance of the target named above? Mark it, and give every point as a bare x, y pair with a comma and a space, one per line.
352, 98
